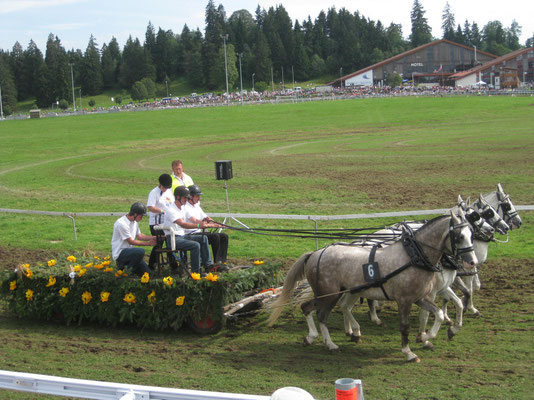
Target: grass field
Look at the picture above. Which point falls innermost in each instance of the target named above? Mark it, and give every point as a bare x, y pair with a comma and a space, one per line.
325, 158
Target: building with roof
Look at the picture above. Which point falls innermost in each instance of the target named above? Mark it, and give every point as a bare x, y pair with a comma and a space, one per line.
431, 63
509, 71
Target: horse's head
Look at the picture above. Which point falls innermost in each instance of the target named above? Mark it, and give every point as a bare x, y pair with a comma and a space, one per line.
491, 215
506, 207
461, 239
478, 224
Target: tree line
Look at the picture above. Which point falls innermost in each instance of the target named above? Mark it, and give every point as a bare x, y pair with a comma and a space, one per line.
267, 47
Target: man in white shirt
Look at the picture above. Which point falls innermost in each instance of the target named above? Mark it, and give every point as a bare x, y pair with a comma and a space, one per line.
196, 244
195, 214
159, 199
179, 177
126, 234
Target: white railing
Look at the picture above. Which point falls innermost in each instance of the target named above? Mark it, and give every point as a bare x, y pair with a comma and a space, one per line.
87, 389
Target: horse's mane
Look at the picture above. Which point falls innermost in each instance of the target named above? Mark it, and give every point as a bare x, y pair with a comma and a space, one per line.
433, 220
491, 197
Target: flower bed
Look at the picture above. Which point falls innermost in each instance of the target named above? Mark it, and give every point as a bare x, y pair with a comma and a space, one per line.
77, 289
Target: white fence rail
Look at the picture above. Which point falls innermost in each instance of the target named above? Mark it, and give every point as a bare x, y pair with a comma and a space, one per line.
86, 389
313, 218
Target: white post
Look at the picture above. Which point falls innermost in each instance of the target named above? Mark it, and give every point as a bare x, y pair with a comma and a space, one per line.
1, 107
72, 80
240, 77
253, 81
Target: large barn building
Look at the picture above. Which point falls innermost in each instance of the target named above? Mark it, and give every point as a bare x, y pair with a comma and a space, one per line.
509, 71
431, 63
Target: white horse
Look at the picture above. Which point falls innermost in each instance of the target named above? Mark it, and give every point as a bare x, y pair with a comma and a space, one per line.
339, 269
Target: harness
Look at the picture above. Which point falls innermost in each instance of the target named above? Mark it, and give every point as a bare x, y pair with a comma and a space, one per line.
506, 208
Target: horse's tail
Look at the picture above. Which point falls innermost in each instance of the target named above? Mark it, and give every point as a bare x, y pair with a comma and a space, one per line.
295, 274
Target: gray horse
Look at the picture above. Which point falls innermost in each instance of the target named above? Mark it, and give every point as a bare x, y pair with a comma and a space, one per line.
406, 279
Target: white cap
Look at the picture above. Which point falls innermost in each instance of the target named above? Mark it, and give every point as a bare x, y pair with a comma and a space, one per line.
291, 393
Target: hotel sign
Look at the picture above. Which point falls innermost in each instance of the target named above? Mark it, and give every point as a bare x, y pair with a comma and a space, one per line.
417, 64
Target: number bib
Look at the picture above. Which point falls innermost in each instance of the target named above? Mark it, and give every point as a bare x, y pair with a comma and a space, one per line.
371, 272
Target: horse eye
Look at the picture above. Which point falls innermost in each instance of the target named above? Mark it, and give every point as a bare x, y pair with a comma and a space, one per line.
506, 206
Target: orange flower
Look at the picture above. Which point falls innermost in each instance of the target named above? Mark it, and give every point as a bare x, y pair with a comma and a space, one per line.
86, 297
89, 265
29, 294
77, 268
168, 281
152, 297
195, 276
120, 273
51, 281
145, 278
258, 262
108, 270
129, 298
29, 273
211, 277
82, 272
71, 258
64, 291
12, 285
180, 300
104, 296
98, 266
106, 263
51, 263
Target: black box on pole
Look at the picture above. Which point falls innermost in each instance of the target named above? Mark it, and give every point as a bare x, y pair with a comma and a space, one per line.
223, 170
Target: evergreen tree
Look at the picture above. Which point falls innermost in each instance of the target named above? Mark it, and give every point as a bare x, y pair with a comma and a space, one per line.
468, 38
512, 36
421, 31
17, 67
459, 35
7, 83
447, 23
138, 91
34, 74
58, 72
91, 69
233, 73
165, 49
301, 61
213, 42
131, 70
494, 38
150, 40
111, 58
261, 61
476, 36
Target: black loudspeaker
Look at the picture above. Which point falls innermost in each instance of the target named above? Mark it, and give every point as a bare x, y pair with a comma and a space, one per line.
223, 170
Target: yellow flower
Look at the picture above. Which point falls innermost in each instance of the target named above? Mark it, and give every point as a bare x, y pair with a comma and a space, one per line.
64, 291
12, 285
86, 297
145, 278
51, 263
71, 258
212, 278
82, 272
106, 263
104, 296
258, 262
25, 266
98, 266
120, 273
180, 300
96, 258
107, 258
168, 281
51, 281
29, 273
29, 294
129, 298
195, 276
152, 297
88, 265
108, 270
77, 268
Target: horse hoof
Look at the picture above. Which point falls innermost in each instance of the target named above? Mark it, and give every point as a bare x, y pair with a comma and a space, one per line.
308, 341
419, 338
414, 359
428, 345
450, 333
354, 338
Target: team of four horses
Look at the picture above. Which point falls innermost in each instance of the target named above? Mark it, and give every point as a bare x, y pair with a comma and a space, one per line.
409, 263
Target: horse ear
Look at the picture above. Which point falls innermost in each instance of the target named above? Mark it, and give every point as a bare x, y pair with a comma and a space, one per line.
461, 214
499, 188
481, 200
468, 201
455, 218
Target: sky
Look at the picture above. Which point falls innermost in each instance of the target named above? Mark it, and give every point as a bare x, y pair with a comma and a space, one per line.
73, 21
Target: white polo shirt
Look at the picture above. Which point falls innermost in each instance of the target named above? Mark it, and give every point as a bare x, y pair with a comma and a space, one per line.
123, 229
158, 199
193, 211
172, 214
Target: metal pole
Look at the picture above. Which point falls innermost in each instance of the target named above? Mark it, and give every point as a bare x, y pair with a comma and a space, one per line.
1, 107
225, 37
167, 86
253, 81
340, 77
293, 76
272, 78
81, 107
72, 79
283, 85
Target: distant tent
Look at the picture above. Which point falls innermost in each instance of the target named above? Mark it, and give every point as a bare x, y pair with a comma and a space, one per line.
479, 83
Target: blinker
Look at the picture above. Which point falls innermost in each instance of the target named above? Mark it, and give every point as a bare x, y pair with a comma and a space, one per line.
506, 207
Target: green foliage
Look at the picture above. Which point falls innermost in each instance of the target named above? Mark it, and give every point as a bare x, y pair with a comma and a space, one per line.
63, 104
77, 289
394, 80
92, 103
138, 91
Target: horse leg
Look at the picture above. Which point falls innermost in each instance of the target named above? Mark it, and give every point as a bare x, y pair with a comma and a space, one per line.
308, 308
423, 316
450, 295
460, 285
404, 325
469, 283
373, 307
476, 282
352, 328
324, 307
427, 304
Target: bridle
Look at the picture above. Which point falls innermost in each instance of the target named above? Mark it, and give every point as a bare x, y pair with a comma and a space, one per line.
505, 205
477, 222
456, 251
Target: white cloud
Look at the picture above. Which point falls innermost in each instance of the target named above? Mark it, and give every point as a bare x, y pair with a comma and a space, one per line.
9, 6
